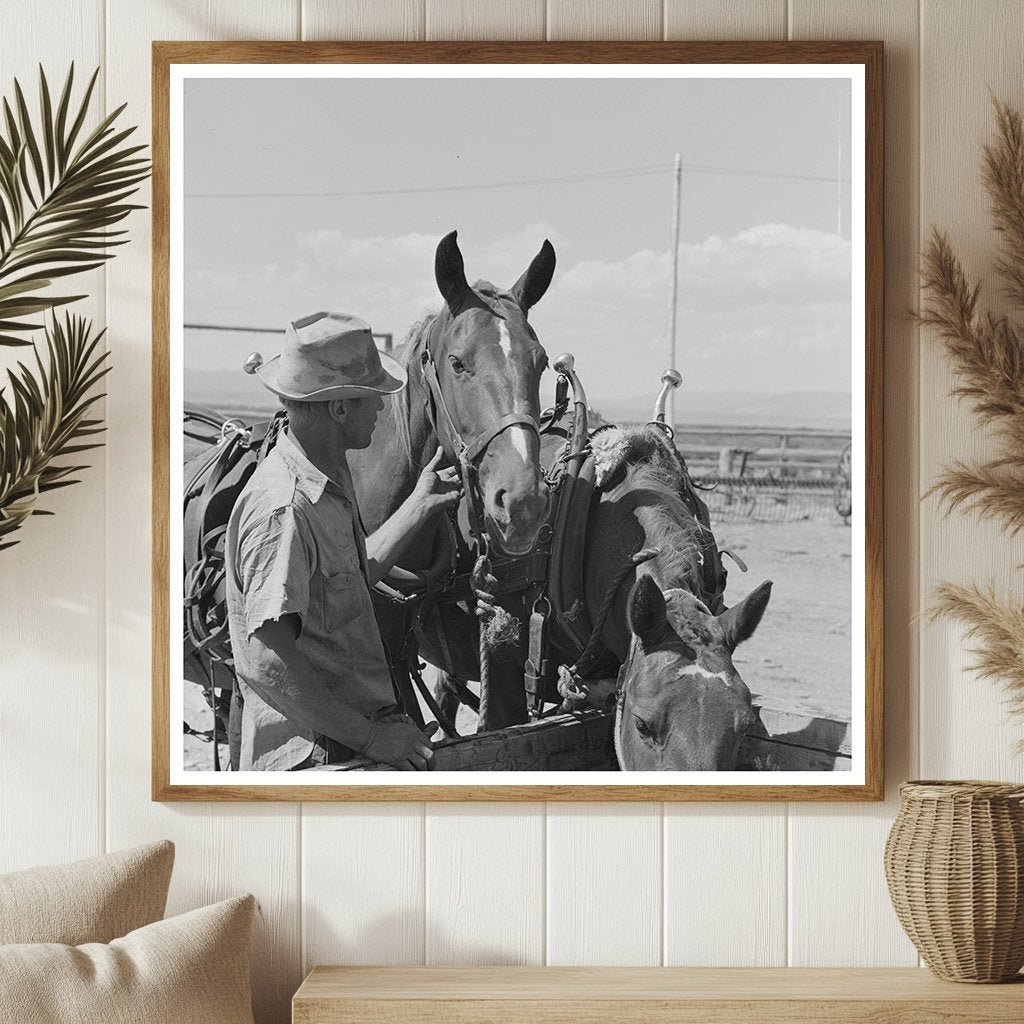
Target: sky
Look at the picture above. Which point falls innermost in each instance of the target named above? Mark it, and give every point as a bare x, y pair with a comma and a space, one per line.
764, 279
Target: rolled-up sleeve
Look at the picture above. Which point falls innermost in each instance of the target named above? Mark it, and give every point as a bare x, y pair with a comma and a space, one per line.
276, 562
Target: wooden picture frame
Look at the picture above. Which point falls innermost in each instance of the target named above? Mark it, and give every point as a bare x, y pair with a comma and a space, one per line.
865, 63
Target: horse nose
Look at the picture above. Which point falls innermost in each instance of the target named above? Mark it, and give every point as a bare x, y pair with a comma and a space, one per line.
504, 500
528, 504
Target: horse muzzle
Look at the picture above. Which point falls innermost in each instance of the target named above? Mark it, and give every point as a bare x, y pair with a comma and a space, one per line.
515, 518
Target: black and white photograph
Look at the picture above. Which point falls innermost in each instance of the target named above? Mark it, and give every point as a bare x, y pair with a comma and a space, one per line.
518, 416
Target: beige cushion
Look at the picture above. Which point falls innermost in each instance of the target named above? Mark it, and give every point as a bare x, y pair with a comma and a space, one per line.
93, 900
185, 970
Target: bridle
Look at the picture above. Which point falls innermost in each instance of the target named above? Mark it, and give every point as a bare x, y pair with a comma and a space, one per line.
467, 453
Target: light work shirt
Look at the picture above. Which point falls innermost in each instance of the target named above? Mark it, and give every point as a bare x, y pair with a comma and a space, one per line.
295, 545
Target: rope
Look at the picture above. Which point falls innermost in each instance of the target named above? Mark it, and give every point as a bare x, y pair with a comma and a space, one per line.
571, 683
485, 610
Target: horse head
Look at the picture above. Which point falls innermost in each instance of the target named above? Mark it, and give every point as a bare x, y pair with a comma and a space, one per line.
683, 705
488, 364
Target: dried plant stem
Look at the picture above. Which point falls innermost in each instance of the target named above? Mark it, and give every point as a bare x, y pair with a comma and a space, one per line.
987, 354
992, 490
996, 629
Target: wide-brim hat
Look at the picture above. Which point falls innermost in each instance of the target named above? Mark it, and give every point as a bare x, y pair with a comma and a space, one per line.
328, 356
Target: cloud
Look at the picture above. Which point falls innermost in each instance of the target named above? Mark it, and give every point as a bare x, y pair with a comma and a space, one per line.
770, 263
767, 309
388, 281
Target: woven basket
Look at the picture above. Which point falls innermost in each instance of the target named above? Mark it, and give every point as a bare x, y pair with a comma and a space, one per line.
954, 861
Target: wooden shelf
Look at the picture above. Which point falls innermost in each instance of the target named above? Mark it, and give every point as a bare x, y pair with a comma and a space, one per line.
647, 995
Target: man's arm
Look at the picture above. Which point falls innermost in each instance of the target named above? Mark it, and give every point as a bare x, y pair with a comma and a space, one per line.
284, 678
435, 491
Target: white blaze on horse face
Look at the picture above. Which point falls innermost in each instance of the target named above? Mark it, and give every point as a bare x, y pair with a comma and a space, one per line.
520, 439
696, 670
504, 341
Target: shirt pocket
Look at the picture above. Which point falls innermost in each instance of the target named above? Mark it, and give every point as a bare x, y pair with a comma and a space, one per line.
344, 600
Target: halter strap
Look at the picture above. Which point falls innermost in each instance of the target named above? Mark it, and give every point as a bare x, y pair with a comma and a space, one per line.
483, 439
437, 397
472, 451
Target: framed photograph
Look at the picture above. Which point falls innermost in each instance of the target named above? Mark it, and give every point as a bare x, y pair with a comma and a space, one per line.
517, 421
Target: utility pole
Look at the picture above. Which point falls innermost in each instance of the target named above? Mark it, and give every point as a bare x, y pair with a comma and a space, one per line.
839, 167
673, 302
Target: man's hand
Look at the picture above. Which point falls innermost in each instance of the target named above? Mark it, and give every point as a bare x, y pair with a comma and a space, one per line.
437, 489
396, 741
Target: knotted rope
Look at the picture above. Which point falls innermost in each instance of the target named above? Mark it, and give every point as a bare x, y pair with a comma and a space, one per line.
497, 626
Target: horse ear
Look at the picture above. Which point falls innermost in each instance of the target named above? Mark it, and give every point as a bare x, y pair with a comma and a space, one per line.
530, 288
740, 621
450, 271
647, 615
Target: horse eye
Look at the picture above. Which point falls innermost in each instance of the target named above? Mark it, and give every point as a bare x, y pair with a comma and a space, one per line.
641, 726
457, 364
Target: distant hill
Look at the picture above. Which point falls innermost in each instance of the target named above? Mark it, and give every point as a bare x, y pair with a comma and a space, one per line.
229, 390
739, 408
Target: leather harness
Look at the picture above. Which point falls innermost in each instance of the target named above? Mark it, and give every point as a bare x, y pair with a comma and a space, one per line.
551, 575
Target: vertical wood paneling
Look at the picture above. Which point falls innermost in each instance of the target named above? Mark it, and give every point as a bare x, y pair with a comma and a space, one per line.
363, 865
963, 725
604, 881
604, 899
485, 19
725, 885
726, 19
485, 884
404, 884
221, 849
51, 583
835, 852
362, 884
583, 19
722, 864
384, 19
484, 866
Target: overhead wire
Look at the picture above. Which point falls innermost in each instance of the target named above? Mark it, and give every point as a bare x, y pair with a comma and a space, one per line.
625, 172
565, 179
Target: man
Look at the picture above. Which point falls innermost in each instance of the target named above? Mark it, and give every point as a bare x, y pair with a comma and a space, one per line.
311, 667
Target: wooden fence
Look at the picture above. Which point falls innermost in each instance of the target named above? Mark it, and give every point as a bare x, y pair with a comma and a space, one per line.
740, 451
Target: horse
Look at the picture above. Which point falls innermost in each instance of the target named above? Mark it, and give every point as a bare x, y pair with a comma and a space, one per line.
474, 370
680, 703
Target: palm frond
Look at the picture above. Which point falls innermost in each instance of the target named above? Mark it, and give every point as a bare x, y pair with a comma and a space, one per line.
44, 417
62, 193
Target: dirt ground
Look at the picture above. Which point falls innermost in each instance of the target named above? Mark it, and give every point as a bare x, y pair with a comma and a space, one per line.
800, 656
199, 751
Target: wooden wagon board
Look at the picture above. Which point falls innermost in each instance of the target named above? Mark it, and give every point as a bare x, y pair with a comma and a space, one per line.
582, 741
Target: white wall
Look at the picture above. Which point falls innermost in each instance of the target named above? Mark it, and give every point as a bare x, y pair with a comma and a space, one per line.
508, 883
